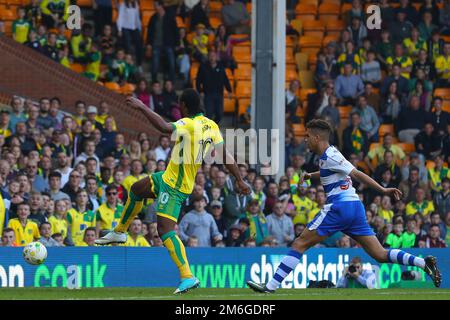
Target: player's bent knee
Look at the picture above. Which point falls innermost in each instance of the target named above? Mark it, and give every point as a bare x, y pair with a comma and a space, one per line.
141, 188
381, 256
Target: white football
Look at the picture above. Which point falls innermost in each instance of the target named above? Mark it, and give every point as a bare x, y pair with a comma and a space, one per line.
35, 253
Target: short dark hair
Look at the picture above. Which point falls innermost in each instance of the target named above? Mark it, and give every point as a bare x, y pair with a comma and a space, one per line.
191, 100
54, 174
414, 168
320, 125
7, 230
44, 223
91, 158
111, 187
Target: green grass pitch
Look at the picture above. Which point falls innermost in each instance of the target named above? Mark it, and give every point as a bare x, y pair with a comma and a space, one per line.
221, 294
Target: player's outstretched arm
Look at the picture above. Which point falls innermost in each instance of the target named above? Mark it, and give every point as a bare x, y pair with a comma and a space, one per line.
229, 162
154, 118
364, 178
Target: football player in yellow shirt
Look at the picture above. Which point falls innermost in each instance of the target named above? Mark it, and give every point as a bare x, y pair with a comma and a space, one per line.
135, 237
80, 218
196, 136
25, 230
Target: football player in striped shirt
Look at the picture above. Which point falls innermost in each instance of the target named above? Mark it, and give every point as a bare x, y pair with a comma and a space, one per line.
343, 212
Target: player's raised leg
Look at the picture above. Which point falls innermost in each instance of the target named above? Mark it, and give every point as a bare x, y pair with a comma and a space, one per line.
177, 251
305, 241
373, 247
139, 191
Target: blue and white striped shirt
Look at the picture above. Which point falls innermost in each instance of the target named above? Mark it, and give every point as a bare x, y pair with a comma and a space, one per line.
334, 176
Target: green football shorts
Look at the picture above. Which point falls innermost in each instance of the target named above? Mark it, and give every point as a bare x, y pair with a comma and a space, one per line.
169, 200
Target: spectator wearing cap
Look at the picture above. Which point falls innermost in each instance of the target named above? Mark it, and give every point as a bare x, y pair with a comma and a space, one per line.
411, 120
279, 225
401, 29
92, 115
162, 36
257, 228
236, 17
348, 86
198, 222
216, 210
4, 124
235, 236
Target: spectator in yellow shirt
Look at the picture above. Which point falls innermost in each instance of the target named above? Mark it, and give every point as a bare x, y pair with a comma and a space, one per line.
200, 43
25, 230
437, 174
89, 237
4, 124
378, 152
385, 210
443, 68
58, 219
401, 58
136, 174
414, 44
419, 204
136, 239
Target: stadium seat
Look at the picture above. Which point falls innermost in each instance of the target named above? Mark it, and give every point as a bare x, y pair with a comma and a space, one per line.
329, 38
243, 105
16, 3
78, 68
334, 27
8, 28
114, 86
291, 73
446, 106
243, 72
328, 10
290, 55
85, 3
301, 60
299, 130
344, 111
7, 15
114, 15
230, 76
127, 88
345, 7
407, 147
310, 42
306, 78
314, 28
249, 7
243, 89
386, 128
305, 92
215, 6
215, 22
442, 92
242, 54
229, 105
147, 5
146, 15
180, 22
291, 41
314, 2
306, 12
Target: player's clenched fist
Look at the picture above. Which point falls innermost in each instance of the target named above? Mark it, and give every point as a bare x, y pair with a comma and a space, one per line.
135, 103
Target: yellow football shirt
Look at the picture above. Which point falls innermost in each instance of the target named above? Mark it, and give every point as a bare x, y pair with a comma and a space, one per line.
128, 181
139, 242
303, 206
426, 207
109, 217
24, 235
194, 137
386, 214
59, 225
404, 61
443, 66
79, 222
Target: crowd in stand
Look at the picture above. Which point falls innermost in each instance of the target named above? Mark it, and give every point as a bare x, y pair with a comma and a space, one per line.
64, 178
